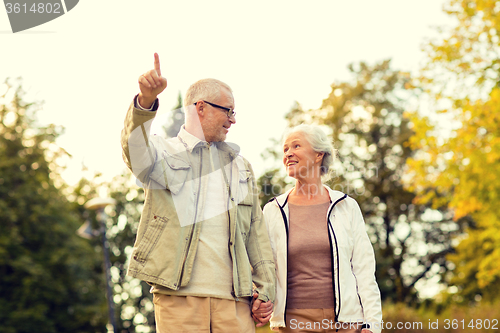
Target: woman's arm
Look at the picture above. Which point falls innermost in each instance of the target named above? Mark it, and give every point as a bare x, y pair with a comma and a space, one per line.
363, 267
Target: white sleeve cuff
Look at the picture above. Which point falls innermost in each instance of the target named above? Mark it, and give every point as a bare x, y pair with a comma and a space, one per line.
140, 107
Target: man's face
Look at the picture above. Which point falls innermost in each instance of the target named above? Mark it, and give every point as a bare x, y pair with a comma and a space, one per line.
215, 122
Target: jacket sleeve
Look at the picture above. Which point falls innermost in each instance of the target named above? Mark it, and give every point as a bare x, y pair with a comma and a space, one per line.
267, 219
278, 316
363, 266
259, 250
138, 151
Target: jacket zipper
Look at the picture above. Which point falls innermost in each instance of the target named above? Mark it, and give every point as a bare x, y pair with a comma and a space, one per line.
228, 210
285, 221
185, 256
192, 226
336, 309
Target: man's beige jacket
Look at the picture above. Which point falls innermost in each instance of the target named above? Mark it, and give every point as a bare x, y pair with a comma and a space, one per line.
173, 176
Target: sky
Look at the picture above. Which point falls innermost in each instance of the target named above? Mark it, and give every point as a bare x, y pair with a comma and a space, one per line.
85, 64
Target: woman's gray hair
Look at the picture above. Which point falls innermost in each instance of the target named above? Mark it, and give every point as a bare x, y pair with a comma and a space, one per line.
206, 89
319, 142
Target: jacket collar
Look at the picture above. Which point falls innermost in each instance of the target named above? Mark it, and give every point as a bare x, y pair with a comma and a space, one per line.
334, 196
191, 142
232, 148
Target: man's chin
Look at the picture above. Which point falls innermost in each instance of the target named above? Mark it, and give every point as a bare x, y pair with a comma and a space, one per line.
222, 138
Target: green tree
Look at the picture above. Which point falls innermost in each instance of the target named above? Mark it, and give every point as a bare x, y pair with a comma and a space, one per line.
178, 117
460, 170
366, 120
133, 299
50, 279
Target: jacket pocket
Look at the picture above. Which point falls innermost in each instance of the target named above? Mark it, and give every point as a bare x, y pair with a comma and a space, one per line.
171, 172
244, 190
150, 238
245, 203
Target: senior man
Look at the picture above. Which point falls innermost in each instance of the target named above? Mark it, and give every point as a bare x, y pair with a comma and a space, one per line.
201, 243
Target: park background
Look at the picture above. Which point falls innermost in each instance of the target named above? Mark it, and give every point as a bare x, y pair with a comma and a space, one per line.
408, 91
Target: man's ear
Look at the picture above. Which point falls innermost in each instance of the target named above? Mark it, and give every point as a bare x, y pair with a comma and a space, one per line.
200, 107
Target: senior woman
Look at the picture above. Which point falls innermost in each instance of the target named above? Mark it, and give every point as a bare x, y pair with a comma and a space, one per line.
325, 265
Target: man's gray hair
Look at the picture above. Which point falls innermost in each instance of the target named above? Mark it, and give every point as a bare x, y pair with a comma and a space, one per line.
205, 89
319, 142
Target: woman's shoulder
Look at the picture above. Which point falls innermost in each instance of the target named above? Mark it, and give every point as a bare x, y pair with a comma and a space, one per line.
351, 202
342, 198
279, 200
270, 205
272, 209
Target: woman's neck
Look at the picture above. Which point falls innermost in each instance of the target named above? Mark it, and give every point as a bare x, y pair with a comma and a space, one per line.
308, 192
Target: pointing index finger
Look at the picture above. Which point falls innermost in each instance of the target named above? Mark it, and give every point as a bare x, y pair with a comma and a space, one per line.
157, 64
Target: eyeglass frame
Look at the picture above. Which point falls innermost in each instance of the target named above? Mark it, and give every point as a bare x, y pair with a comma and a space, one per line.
230, 112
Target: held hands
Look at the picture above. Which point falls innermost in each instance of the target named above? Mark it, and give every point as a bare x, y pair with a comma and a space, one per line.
151, 85
261, 311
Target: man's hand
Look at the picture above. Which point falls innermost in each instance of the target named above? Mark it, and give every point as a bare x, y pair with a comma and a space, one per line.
151, 84
261, 312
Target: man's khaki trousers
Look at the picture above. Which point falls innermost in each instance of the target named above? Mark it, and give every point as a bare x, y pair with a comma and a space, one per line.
181, 314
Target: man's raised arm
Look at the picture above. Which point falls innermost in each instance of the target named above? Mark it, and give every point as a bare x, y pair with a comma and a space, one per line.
138, 153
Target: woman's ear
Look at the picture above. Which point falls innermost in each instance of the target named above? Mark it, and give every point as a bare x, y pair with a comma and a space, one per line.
319, 157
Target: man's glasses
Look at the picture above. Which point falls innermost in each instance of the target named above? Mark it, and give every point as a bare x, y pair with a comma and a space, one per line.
230, 112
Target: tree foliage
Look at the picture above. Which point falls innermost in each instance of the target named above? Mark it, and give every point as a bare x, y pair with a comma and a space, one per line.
132, 300
132, 297
50, 278
461, 170
177, 120
468, 52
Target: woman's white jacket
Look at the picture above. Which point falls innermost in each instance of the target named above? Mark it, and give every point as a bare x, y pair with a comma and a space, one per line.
356, 293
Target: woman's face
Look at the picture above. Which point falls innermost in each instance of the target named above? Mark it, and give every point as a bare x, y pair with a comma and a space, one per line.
300, 160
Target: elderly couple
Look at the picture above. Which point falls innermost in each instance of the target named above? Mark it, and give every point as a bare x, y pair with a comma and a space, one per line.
214, 260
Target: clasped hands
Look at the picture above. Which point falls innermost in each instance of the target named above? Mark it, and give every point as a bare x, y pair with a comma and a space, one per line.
261, 311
